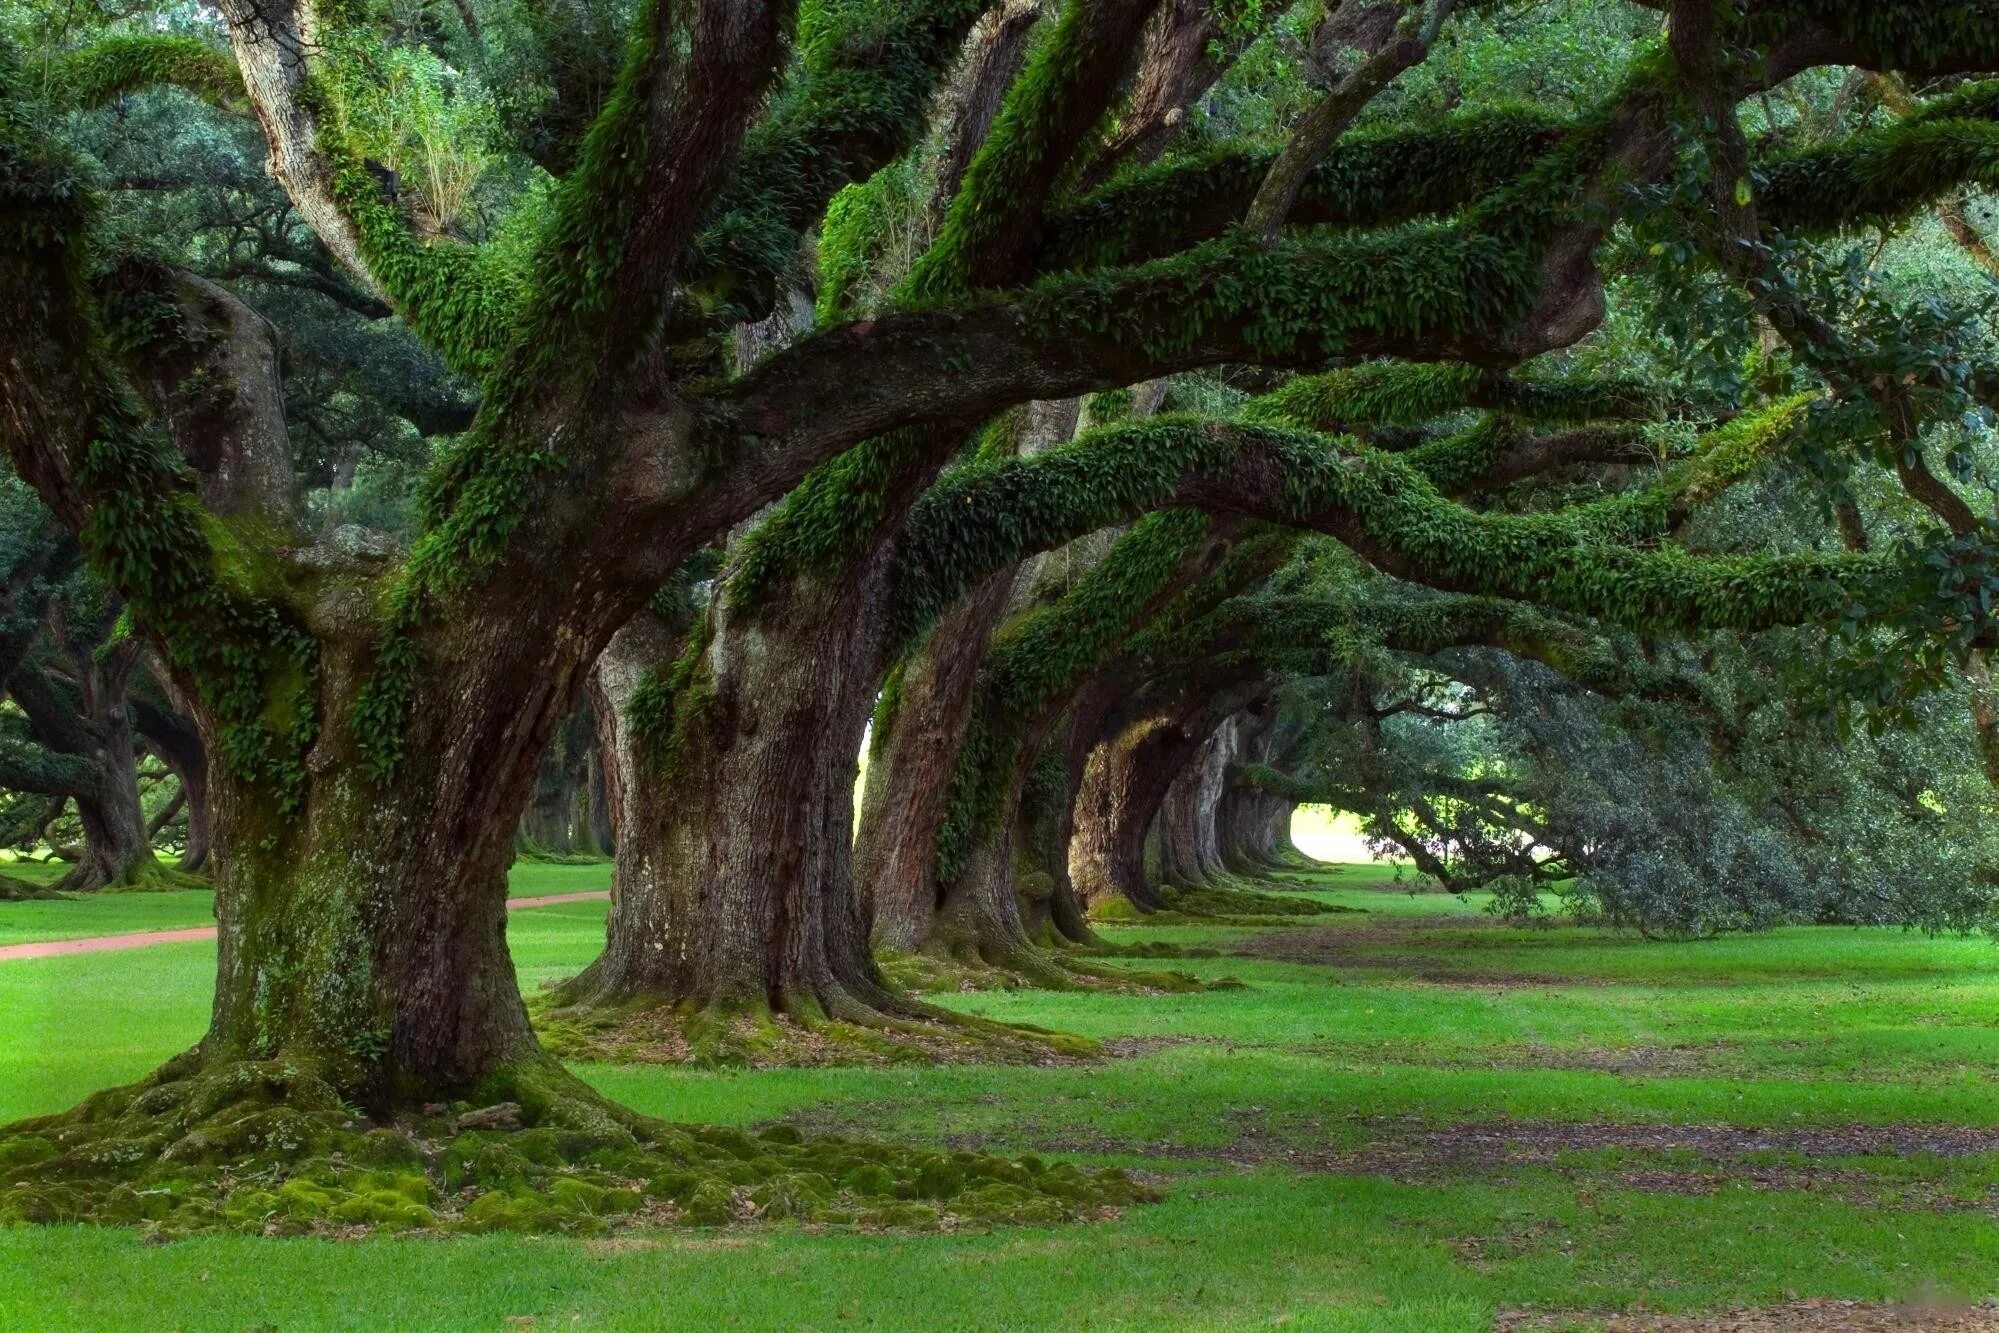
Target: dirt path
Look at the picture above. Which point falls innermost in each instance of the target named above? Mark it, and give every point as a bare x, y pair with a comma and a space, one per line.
146, 938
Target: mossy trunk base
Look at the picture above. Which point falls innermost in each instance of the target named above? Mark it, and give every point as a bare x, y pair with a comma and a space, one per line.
269, 1147
658, 1031
1228, 903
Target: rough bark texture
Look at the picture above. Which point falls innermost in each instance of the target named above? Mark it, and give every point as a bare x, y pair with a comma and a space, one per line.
734, 882
1255, 825
971, 101
383, 906
83, 715
914, 756
1190, 815
1182, 57
170, 733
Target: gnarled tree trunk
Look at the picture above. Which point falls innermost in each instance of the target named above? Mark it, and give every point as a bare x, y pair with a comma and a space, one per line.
169, 733
86, 719
1189, 816
912, 756
734, 885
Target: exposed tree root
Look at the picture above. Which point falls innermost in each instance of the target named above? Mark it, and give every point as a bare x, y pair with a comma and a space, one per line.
653, 1031
270, 1147
1214, 905
1055, 967
14, 890
144, 876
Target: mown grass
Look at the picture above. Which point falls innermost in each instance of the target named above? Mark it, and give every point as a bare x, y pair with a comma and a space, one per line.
84, 915
1287, 1120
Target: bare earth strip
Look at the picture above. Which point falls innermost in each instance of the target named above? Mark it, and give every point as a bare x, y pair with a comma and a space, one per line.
1820, 1316
146, 938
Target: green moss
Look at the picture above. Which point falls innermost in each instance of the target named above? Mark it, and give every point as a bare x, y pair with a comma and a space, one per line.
647, 1030
1373, 177
1066, 85
199, 584
95, 74
1402, 393
1583, 559
1877, 177
857, 103
270, 1148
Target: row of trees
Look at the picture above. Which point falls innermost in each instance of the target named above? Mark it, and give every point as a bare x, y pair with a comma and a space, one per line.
1054, 396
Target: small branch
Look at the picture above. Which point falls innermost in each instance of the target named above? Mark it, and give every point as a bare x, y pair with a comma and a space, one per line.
1324, 124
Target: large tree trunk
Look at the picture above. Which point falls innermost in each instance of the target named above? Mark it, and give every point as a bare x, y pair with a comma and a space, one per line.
1255, 824
1189, 816
88, 719
117, 852
912, 756
915, 753
366, 930
169, 733
734, 885
1126, 781
1120, 794
1255, 829
1043, 823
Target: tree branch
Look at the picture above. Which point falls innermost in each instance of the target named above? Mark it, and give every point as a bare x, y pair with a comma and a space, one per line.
1329, 119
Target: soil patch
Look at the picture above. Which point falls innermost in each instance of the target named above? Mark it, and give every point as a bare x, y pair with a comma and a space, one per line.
1658, 1159
1381, 945
1815, 1316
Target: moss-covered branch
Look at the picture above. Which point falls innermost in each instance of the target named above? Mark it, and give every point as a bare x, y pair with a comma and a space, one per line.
76, 433
858, 102
1580, 560
104, 70
1371, 178
1068, 85
1882, 175
1408, 393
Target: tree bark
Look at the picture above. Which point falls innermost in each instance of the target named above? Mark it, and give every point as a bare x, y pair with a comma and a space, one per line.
1126, 780
1254, 824
913, 754
365, 930
172, 735
1189, 817
734, 887
87, 718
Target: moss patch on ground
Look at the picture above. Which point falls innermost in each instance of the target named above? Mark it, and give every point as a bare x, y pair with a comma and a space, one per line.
1239, 902
655, 1032
269, 1147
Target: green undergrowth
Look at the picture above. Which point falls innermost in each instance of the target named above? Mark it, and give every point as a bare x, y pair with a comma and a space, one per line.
534, 854
649, 1031
155, 877
270, 1147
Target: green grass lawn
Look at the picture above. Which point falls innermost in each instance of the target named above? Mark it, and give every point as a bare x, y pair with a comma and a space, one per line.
1409, 1118
124, 913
